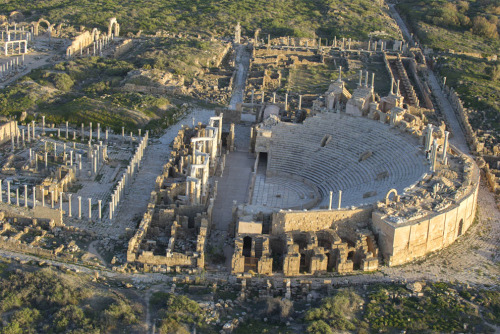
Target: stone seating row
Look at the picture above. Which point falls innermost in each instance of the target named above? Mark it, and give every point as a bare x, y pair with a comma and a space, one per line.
298, 150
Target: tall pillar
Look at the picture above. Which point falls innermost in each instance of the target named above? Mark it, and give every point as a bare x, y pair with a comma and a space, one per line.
434, 155
25, 195
340, 200
52, 199
90, 208
1, 192
300, 102
17, 196
60, 201
330, 203
445, 145
110, 210
100, 209
79, 207
8, 192
428, 140
69, 204
43, 125
34, 197
43, 197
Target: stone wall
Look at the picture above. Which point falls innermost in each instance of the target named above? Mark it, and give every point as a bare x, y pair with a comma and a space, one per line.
230, 116
288, 221
80, 42
405, 242
124, 47
38, 212
8, 130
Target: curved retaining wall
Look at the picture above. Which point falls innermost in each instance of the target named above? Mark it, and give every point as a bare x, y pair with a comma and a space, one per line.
401, 243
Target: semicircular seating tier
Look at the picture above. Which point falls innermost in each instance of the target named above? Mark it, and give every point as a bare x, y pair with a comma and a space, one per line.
327, 150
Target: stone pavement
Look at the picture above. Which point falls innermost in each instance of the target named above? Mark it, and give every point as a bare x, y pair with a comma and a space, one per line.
232, 186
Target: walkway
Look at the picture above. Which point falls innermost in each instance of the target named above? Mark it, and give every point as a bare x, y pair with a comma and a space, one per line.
233, 186
457, 139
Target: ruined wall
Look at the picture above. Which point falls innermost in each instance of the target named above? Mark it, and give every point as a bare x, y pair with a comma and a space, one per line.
124, 47
287, 221
81, 41
39, 212
230, 116
405, 242
463, 118
8, 130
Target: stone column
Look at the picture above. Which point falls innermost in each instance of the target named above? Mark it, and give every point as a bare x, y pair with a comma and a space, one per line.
8, 192
83, 133
69, 204
1, 192
43, 197
445, 145
67, 130
90, 208
33, 127
25, 195
90, 132
79, 207
330, 203
340, 199
110, 210
52, 199
34, 197
100, 209
286, 101
43, 125
98, 131
429, 138
434, 155
60, 201
300, 102
17, 196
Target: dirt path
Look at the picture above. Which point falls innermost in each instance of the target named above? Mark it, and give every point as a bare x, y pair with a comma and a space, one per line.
94, 251
242, 65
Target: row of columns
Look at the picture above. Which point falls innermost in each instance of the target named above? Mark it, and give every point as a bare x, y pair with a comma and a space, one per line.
345, 44
339, 200
12, 66
95, 48
431, 147
52, 201
126, 178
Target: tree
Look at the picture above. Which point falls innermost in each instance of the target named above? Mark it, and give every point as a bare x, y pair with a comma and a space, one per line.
482, 27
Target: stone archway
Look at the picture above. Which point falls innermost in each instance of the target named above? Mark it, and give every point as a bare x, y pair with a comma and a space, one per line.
95, 34
36, 26
389, 193
116, 29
